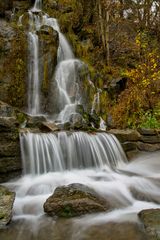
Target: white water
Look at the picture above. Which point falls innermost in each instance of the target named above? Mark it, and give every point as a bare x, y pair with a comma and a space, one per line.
33, 64
96, 102
33, 77
116, 184
62, 151
66, 75
37, 5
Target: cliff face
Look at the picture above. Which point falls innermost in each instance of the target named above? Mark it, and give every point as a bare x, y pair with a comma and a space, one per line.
14, 55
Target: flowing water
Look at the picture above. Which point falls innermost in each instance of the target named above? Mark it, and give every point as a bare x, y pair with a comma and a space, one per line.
52, 160
98, 161
66, 74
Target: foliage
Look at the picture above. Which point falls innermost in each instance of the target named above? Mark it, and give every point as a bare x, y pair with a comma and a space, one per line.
142, 93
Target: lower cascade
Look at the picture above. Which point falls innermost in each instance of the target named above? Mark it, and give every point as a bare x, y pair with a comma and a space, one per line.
62, 151
51, 160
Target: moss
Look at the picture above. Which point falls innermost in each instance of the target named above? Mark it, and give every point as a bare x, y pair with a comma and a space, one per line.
21, 117
45, 82
67, 211
17, 67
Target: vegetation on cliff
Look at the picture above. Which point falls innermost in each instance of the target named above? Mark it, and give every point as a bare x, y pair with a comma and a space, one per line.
119, 42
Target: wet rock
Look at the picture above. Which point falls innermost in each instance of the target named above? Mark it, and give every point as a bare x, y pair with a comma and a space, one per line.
49, 42
150, 139
10, 160
151, 221
74, 200
8, 124
35, 121
6, 110
76, 121
148, 132
148, 147
13, 54
94, 119
129, 146
48, 127
6, 203
126, 135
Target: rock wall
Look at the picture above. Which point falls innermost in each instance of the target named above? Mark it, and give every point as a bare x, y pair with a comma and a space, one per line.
10, 160
134, 141
14, 56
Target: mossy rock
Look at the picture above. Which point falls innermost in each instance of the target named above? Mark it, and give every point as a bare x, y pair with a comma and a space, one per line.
6, 203
74, 200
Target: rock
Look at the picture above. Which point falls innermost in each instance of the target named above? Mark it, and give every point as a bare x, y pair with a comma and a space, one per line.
151, 221
149, 132
132, 154
13, 54
76, 121
35, 121
150, 139
48, 45
74, 200
6, 203
8, 124
129, 146
10, 159
126, 135
94, 119
148, 147
48, 127
6, 110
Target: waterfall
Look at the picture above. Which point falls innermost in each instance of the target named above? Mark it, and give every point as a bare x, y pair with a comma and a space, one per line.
62, 151
66, 74
61, 158
33, 81
96, 102
37, 5
33, 63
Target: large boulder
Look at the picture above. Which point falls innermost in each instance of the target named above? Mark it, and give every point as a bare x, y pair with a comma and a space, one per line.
74, 200
6, 203
151, 220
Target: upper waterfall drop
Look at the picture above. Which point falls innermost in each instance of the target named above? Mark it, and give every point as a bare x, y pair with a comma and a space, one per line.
66, 74
37, 5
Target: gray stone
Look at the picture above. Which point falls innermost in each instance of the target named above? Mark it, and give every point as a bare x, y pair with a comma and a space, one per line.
129, 146
150, 139
151, 220
74, 200
148, 147
6, 203
149, 132
48, 127
126, 135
